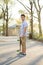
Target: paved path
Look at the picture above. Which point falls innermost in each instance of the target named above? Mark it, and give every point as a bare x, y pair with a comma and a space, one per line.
9, 56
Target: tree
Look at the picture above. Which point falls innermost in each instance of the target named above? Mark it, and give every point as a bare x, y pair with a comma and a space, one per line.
31, 21
2, 16
38, 10
5, 14
30, 11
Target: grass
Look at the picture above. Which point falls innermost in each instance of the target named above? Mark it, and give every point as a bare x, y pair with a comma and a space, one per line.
37, 37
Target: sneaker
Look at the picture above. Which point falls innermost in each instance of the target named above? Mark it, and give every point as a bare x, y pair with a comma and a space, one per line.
24, 54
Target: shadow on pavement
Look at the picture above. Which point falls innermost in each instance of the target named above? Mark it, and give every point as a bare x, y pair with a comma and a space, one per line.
10, 60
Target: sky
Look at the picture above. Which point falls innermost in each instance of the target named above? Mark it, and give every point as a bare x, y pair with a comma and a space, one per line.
13, 11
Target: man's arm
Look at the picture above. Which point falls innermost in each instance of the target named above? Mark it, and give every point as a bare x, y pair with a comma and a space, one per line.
24, 31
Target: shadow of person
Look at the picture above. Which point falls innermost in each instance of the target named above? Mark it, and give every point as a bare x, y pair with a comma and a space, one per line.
10, 60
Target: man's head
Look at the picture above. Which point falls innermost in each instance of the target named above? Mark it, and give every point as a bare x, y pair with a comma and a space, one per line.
22, 17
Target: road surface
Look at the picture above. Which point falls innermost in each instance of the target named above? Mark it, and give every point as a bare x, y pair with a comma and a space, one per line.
9, 55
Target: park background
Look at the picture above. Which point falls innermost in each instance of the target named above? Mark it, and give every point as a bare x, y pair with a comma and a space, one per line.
10, 21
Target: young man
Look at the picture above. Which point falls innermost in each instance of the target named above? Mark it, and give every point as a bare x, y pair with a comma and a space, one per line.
23, 29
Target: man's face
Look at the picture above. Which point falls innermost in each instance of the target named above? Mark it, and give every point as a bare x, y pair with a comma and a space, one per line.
22, 18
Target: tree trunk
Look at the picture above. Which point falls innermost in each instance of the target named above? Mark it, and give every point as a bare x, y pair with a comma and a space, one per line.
31, 21
3, 29
7, 20
39, 20
3, 23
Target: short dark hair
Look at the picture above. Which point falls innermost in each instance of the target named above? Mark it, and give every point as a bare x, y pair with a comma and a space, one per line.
23, 15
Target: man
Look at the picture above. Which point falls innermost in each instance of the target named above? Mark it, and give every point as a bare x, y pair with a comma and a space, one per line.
23, 29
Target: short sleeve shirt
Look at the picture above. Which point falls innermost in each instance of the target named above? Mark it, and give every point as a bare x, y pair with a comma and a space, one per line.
23, 25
